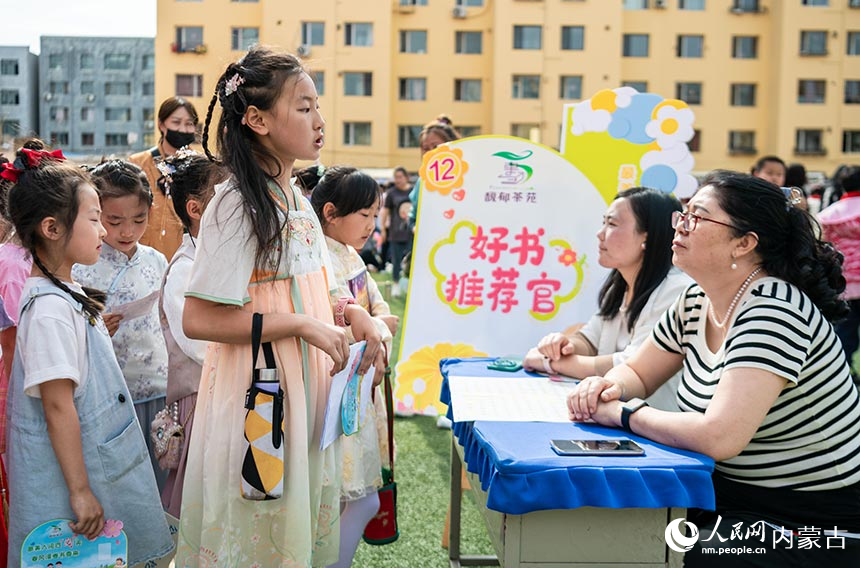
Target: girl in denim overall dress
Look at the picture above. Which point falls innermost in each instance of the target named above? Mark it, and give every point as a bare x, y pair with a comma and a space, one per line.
76, 450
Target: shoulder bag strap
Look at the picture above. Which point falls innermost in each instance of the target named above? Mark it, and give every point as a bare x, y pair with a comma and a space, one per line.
389, 411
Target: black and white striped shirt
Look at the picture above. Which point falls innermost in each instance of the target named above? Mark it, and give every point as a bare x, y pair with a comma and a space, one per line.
810, 438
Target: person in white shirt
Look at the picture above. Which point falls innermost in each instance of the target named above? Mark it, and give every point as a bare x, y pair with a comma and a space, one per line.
636, 244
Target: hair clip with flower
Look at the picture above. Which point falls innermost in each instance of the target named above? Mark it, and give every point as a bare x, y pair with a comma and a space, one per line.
232, 84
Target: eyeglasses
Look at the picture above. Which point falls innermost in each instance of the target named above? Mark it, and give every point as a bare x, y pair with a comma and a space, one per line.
690, 220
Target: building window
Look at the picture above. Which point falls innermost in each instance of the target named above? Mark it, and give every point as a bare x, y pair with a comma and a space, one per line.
8, 66
527, 37
635, 4
641, 86
690, 46
853, 43
573, 37
413, 2
745, 47
59, 138
635, 45
809, 141
88, 114
319, 81
413, 41
690, 93
476, 3
117, 88
87, 61
189, 85
313, 33
743, 94
413, 89
526, 87
468, 42
116, 139
88, 139
742, 142
745, 6
59, 114
149, 115
188, 38
695, 143
359, 34
816, 2
813, 43
148, 62
10, 97
358, 84
850, 141
529, 131
148, 88
117, 61
88, 88
697, 5
55, 61
243, 39
852, 92
407, 136
356, 134
11, 127
466, 131
811, 91
467, 90
118, 114
59, 87
570, 87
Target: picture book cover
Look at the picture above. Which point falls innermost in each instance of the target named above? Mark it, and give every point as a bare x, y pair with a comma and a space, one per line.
54, 545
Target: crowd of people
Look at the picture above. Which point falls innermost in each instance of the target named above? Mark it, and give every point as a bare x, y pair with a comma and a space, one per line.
130, 291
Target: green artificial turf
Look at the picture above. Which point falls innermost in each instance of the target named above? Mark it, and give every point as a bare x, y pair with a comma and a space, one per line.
423, 480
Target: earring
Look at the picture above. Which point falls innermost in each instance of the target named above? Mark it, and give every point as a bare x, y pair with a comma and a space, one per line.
643, 246
734, 266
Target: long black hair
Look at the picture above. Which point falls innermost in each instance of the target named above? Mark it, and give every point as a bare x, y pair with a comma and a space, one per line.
257, 79
787, 243
50, 189
348, 189
653, 212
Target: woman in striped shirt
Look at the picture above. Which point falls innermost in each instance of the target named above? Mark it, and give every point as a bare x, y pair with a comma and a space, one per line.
766, 390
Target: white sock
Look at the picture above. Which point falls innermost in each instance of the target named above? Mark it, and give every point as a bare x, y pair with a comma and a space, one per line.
353, 518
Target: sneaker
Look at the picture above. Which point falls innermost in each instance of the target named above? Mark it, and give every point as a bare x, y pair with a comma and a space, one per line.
395, 291
443, 423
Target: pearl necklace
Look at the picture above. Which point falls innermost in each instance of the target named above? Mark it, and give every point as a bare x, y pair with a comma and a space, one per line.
741, 290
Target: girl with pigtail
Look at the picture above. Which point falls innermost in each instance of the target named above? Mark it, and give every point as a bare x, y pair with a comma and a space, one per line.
261, 250
76, 450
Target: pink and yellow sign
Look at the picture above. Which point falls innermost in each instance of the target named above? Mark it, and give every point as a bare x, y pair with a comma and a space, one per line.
505, 247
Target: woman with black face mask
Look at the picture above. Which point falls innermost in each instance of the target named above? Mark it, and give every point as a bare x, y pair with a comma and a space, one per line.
177, 123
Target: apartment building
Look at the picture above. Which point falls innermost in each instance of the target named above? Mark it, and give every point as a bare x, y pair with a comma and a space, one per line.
96, 94
763, 76
19, 88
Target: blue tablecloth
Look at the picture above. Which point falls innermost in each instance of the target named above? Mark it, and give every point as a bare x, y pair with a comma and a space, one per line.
520, 472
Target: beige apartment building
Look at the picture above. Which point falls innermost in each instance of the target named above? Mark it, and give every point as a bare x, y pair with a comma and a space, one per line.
763, 76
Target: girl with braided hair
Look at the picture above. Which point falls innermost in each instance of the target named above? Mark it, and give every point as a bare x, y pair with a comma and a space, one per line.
129, 271
261, 250
76, 450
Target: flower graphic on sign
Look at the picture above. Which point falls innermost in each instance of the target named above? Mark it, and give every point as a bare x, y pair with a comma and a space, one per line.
671, 124
112, 528
515, 172
442, 169
419, 378
567, 257
502, 269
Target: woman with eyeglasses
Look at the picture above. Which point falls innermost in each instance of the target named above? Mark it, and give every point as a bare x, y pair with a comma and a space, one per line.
635, 244
765, 390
